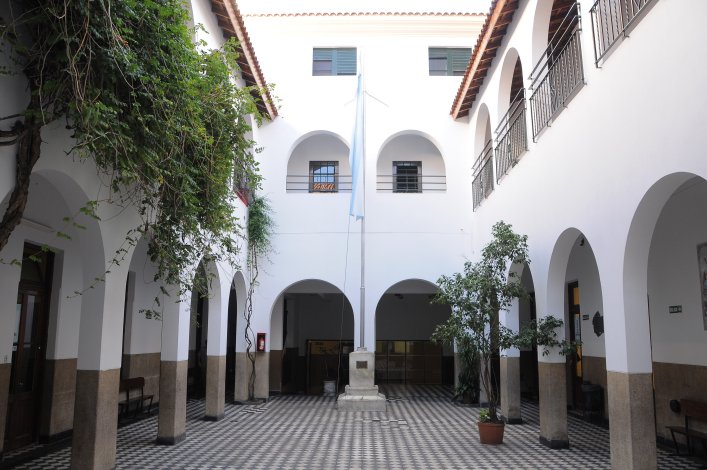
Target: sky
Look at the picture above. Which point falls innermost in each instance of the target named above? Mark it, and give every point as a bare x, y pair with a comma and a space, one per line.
313, 6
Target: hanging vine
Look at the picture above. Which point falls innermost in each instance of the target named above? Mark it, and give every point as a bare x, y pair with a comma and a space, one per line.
260, 229
161, 117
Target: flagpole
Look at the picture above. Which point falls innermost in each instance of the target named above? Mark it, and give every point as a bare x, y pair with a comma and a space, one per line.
362, 345
362, 335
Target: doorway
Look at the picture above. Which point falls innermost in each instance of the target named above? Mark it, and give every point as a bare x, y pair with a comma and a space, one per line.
28, 348
574, 361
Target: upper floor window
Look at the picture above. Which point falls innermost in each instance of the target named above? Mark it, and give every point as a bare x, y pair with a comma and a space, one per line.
449, 60
323, 177
334, 61
407, 177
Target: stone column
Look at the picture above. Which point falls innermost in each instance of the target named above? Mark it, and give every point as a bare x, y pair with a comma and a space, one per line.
510, 389
553, 404
216, 345
174, 364
510, 371
629, 375
98, 374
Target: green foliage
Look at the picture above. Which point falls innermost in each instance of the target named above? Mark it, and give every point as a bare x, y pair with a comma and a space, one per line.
467, 387
260, 225
161, 116
476, 297
484, 415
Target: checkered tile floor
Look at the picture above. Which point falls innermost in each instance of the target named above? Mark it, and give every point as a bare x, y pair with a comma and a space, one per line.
421, 429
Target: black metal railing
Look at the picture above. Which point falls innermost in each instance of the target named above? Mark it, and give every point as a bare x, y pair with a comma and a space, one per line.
482, 185
558, 73
407, 183
335, 183
610, 20
511, 135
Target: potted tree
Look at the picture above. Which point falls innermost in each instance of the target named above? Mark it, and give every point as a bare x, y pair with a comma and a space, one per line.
476, 296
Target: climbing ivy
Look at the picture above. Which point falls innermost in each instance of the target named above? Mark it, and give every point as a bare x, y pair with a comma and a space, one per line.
161, 116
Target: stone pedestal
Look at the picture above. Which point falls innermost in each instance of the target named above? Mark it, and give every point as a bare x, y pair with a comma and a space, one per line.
361, 393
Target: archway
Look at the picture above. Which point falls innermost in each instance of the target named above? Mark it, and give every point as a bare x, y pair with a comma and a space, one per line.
319, 163
409, 162
236, 305
405, 320
664, 274
511, 134
482, 184
312, 327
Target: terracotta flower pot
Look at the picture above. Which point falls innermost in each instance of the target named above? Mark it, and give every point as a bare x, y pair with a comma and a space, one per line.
491, 433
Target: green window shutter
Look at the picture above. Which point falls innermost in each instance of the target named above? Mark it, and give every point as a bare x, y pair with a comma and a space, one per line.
459, 60
334, 61
345, 61
448, 60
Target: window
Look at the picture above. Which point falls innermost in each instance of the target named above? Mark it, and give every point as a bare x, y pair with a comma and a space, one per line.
334, 61
449, 60
323, 177
407, 177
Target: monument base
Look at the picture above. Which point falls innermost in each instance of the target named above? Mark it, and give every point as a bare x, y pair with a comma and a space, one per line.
361, 394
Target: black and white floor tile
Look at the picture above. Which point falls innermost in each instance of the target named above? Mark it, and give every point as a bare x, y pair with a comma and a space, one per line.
422, 429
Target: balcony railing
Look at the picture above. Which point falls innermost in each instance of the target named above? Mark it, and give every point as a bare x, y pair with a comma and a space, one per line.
406, 183
511, 136
482, 185
559, 73
610, 20
335, 183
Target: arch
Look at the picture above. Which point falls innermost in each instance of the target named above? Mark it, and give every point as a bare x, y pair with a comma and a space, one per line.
311, 335
321, 146
483, 129
635, 264
424, 167
404, 321
511, 80
416, 132
315, 133
235, 328
541, 26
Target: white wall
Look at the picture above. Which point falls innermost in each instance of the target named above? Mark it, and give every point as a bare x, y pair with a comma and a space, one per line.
674, 278
407, 235
621, 133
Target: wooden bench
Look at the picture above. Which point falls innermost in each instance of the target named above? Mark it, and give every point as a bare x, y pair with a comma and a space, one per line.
693, 411
135, 398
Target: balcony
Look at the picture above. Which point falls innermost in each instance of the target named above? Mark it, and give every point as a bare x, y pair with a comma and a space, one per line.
482, 185
411, 183
559, 73
511, 136
611, 19
318, 184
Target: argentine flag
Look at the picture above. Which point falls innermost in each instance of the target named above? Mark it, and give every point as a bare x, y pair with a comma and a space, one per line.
356, 156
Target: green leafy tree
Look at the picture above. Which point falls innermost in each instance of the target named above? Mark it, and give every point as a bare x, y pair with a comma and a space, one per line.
476, 297
161, 116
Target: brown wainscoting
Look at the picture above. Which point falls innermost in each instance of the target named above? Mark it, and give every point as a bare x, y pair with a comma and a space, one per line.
59, 393
595, 372
144, 365
673, 382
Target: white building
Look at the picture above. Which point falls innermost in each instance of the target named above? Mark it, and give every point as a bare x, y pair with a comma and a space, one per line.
563, 124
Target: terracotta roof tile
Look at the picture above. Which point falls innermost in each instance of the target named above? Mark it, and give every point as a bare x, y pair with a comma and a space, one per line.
231, 23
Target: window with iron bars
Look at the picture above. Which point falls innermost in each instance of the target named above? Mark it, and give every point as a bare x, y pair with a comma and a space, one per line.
407, 177
323, 177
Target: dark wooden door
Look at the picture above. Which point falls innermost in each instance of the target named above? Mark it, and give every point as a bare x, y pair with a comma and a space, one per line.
575, 360
27, 364
28, 348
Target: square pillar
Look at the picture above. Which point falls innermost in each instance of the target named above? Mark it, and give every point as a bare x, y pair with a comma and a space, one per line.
632, 424
510, 389
553, 404
174, 366
215, 387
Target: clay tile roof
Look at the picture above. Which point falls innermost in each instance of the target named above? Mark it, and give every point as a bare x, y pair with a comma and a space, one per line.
231, 23
364, 13
490, 38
